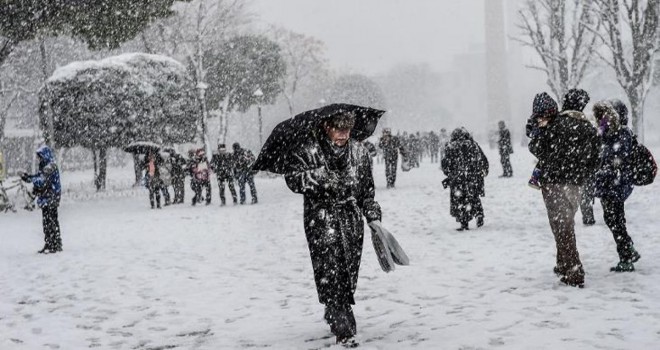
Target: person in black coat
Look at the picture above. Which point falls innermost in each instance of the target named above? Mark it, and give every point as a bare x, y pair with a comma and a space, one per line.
614, 178
465, 166
505, 148
243, 160
151, 165
335, 178
567, 149
222, 164
178, 174
391, 146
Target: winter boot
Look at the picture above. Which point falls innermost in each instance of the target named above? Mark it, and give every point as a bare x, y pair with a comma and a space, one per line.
349, 342
480, 221
623, 266
46, 250
634, 255
588, 221
464, 226
573, 277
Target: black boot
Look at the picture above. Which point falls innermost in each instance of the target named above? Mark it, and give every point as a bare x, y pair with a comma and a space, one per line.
480, 221
464, 226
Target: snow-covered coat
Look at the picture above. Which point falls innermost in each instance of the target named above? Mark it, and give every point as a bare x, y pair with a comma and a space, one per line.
465, 165
46, 181
338, 189
567, 149
614, 176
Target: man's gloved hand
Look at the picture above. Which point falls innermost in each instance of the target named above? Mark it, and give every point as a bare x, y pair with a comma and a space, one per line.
25, 177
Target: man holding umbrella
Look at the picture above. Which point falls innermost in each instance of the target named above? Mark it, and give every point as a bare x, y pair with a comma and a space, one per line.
321, 157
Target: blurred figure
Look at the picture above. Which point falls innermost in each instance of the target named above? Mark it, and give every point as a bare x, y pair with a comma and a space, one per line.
223, 166
505, 148
391, 147
152, 165
243, 159
201, 179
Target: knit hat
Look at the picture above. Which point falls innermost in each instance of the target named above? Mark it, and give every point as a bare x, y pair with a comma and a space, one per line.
575, 100
544, 105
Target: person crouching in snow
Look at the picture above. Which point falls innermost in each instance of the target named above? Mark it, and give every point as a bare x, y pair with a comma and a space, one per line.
337, 192
47, 187
465, 166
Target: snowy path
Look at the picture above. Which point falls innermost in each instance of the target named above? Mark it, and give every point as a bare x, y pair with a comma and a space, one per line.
240, 276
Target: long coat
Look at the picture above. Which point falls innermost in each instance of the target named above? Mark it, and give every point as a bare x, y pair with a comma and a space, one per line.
333, 215
46, 181
465, 165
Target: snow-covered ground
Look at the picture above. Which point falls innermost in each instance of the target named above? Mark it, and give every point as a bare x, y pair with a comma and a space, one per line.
240, 276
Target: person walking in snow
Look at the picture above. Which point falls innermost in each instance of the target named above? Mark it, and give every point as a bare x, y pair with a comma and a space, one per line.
223, 166
434, 146
391, 146
614, 178
48, 188
178, 165
465, 165
338, 191
567, 149
243, 159
504, 146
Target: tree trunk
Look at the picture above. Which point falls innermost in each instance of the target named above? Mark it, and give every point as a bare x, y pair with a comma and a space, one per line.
96, 164
6, 48
102, 169
137, 169
637, 113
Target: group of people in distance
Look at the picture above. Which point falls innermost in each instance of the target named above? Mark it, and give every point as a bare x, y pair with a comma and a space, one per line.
162, 169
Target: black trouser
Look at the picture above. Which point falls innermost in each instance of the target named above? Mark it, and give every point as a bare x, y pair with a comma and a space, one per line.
230, 184
166, 194
587, 202
248, 177
155, 187
179, 187
51, 227
197, 187
390, 170
615, 218
507, 170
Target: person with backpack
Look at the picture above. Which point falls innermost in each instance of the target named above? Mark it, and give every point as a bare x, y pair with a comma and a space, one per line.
243, 159
614, 178
152, 164
48, 188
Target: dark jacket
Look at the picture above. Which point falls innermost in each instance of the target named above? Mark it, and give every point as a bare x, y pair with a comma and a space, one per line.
614, 175
243, 160
504, 142
223, 165
338, 189
391, 146
465, 165
46, 181
567, 149
178, 166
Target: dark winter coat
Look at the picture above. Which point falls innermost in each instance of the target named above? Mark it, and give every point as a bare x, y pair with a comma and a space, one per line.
178, 167
46, 181
223, 165
391, 146
504, 142
567, 149
614, 175
243, 160
338, 189
465, 165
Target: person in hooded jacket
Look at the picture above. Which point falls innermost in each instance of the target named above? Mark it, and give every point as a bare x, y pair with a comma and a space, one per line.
614, 178
334, 174
48, 188
200, 174
465, 165
243, 160
567, 149
152, 165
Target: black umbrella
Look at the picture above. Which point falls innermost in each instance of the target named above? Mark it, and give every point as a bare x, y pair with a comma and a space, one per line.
142, 147
292, 132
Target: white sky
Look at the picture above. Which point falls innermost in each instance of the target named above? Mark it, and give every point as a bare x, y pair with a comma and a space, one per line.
370, 36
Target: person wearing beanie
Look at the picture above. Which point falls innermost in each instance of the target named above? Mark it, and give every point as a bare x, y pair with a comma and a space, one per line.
614, 178
544, 108
567, 148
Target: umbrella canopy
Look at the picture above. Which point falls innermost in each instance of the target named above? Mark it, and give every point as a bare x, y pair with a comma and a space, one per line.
291, 133
142, 147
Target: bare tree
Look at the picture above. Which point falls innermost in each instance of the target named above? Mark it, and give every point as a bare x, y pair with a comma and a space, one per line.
196, 27
304, 59
560, 31
630, 34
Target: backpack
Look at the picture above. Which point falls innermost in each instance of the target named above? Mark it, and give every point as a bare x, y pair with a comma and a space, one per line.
642, 164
